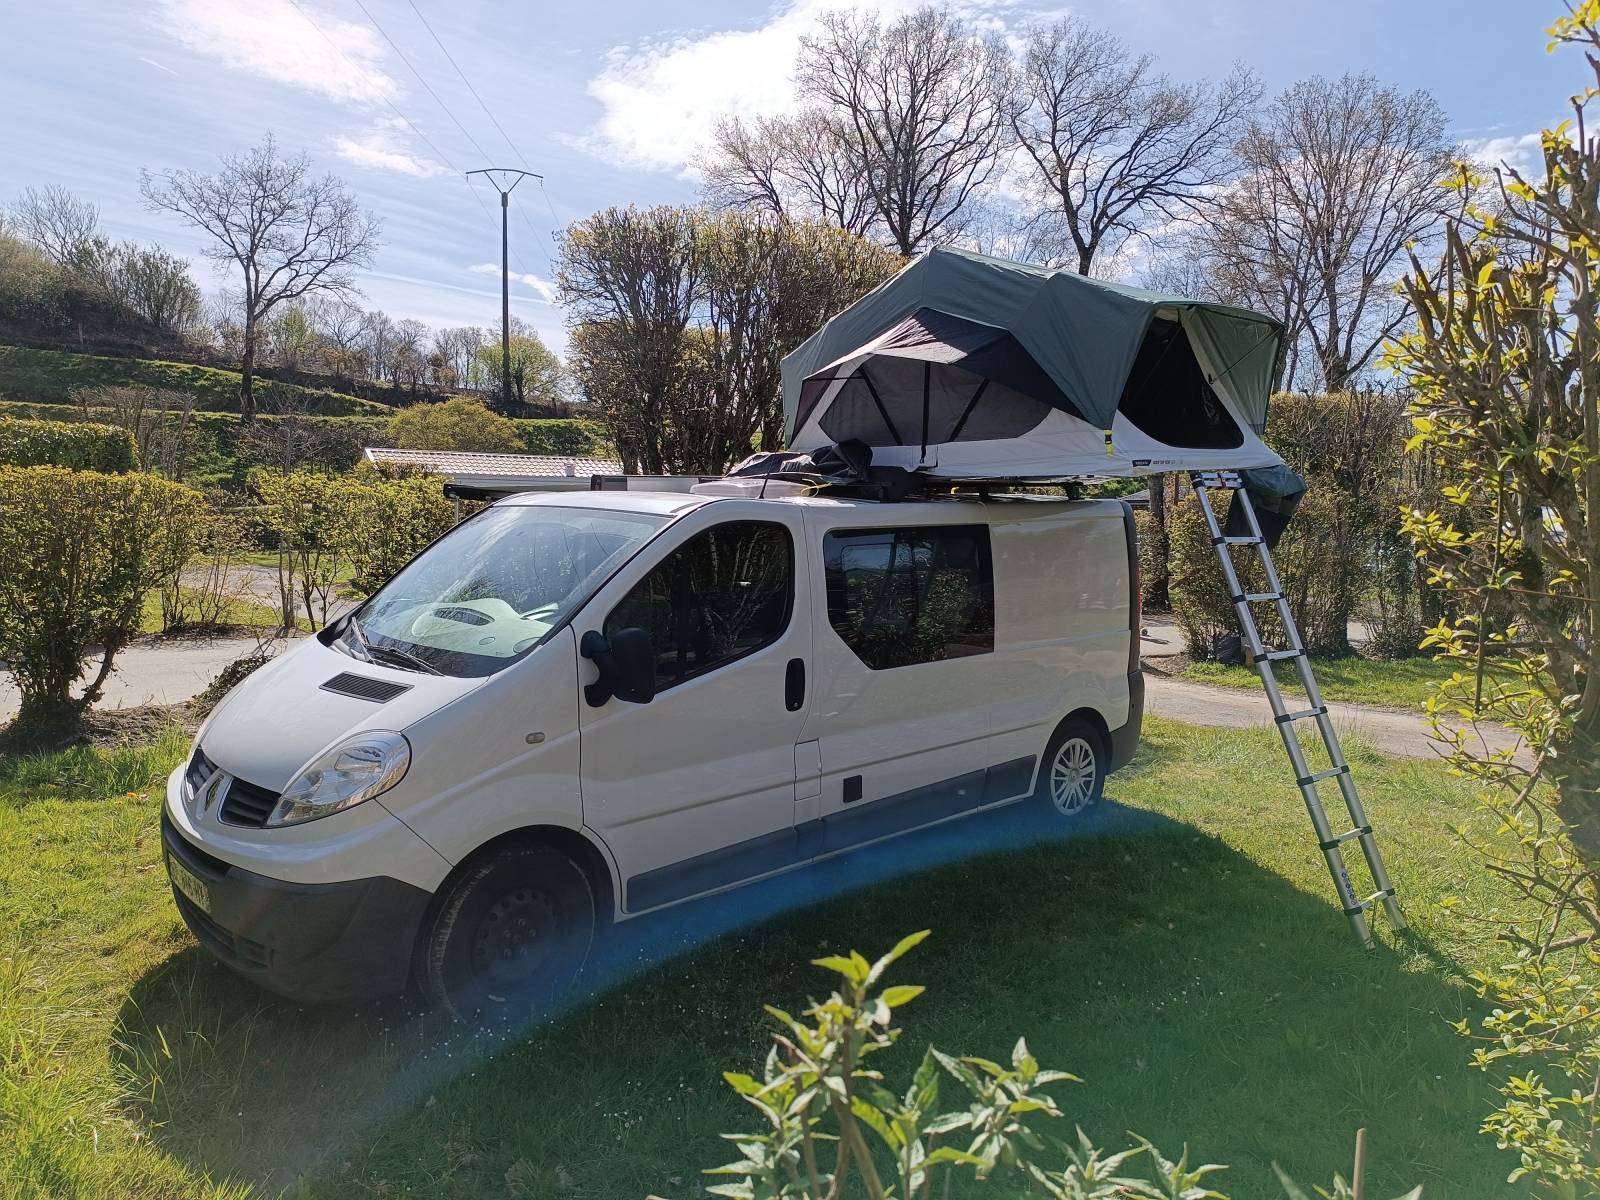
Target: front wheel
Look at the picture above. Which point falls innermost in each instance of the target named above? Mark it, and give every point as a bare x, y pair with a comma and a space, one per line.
510, 934
1072, 776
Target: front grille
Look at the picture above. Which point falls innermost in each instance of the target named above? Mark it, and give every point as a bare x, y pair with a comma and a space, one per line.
364, 687
200, 769
247, 804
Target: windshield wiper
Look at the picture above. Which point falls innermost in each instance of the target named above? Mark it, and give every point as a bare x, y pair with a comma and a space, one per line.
403, 656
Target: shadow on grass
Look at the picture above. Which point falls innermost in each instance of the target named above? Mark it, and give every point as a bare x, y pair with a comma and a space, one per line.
1201, 997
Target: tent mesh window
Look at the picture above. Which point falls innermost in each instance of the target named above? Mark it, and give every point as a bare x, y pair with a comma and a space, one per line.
907, 402
1168, 396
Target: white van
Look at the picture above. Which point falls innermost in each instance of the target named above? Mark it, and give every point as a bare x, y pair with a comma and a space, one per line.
573, 709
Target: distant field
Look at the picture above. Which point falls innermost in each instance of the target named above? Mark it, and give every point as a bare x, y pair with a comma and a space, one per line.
51, 376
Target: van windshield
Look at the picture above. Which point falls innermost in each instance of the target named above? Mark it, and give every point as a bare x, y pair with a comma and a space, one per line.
488, 591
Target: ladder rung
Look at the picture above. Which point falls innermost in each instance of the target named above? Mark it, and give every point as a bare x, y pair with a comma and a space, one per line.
1256, 597
1278, 655
1308, 780
1385, 894
1358, 831
1236, 541
1318, 711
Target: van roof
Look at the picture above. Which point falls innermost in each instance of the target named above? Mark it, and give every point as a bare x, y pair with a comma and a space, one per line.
675, 504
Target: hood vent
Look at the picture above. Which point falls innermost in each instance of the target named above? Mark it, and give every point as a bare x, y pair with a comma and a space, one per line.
379, 691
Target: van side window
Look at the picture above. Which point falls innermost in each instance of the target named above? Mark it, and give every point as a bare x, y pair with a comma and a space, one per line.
723, 594
903, 596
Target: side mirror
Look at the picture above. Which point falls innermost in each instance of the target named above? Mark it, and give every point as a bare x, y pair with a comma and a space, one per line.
627, 665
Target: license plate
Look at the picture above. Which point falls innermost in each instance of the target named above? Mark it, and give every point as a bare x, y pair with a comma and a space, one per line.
191, 885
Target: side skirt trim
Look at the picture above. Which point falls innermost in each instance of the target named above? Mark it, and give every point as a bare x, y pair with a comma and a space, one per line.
832, 834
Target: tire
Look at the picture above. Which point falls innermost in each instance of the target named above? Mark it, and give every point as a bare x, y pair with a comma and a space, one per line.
509, 935
1072, 775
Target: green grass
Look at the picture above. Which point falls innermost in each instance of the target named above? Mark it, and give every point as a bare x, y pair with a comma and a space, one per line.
1180, 951
51, 376
1396, 683
240, 611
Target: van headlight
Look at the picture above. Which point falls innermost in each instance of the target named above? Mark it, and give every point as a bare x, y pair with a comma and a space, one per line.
356, 769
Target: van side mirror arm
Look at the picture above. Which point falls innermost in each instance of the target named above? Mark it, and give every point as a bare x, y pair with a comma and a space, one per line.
597, 650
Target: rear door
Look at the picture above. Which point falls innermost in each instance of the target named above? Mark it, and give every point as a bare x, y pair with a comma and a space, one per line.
696, 789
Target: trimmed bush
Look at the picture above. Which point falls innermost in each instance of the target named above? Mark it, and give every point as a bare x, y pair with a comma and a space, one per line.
81, 550
564, 436
460, 423
76, 445
1152, 557
387, 520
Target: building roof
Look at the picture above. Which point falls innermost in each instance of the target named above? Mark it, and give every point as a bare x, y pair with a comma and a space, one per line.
459, 464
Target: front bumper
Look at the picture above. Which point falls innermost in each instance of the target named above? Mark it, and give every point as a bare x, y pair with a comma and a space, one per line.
319, 943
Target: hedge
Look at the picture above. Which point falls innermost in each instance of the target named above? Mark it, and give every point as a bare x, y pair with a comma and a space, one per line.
77, 445
81, 549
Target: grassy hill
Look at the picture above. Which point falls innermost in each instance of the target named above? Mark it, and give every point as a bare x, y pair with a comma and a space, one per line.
52, 376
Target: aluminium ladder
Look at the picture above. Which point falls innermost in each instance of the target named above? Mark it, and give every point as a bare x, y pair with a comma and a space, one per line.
1332, 844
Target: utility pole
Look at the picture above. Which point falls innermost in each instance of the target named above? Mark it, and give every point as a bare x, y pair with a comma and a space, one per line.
491, 173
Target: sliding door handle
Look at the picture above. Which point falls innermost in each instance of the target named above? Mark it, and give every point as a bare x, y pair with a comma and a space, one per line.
794, 685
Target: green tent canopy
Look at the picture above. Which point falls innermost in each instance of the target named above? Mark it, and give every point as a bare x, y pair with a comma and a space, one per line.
970, 366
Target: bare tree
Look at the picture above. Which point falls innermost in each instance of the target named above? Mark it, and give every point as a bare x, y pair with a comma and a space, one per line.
1113, 145
457, 350
56, 221
798, 166
630, 279
1339, 176
921, 104
289, 234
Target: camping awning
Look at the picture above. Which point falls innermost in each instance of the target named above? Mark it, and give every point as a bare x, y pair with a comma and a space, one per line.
986, 366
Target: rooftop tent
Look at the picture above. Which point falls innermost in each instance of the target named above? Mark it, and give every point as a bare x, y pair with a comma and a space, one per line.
972, 367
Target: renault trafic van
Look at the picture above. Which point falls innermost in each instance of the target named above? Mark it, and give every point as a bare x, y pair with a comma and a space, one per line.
576, 708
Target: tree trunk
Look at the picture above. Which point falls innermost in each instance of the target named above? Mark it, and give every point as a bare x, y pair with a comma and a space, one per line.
247, 373
1155, 589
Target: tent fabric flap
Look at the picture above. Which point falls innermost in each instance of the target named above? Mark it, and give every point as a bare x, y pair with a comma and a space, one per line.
960, 354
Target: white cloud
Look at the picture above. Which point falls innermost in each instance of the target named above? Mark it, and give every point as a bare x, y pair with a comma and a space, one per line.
1522, 152
277, 40
662, 100
381, 149
544, 287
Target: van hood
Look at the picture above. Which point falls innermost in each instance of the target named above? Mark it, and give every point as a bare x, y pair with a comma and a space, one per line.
286, 713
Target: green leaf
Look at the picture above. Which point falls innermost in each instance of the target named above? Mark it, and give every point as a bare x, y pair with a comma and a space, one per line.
903, 947
900, 994
841, 965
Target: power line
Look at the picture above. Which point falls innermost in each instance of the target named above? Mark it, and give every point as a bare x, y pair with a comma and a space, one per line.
451, 59
506, 137
426, 85
362, 71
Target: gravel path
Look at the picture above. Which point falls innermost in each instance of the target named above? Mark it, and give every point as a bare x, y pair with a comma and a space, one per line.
1391, 731
155, 671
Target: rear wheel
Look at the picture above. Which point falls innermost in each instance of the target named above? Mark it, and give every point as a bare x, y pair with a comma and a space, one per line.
1072, 777
509, 935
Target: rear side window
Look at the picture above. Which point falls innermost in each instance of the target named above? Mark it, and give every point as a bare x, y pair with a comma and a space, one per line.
723, 594
903, 596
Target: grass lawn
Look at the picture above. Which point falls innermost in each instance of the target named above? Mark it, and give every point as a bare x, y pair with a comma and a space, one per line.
1396, 683
239, 611
51, 376
1179, 950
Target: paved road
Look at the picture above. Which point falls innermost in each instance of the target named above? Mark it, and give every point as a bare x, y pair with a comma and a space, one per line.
1391, 731
154, 672
1160, 638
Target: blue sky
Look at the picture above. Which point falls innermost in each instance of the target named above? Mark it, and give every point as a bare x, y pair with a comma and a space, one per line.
609, 99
